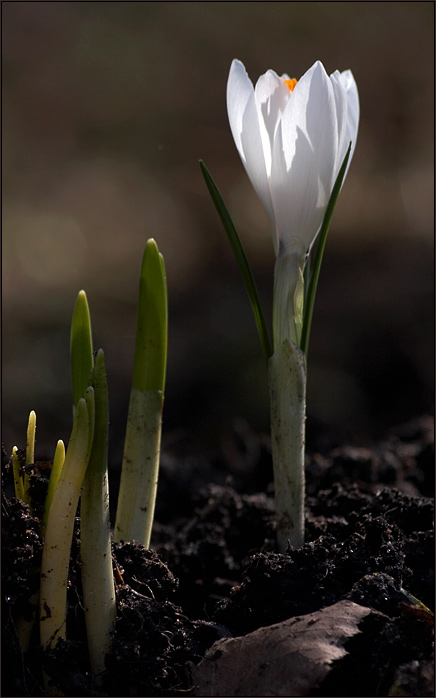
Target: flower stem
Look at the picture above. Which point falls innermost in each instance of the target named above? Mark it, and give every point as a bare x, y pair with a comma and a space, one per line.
287, 390
288, 299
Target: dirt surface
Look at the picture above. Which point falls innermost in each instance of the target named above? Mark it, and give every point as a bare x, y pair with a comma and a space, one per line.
213, 574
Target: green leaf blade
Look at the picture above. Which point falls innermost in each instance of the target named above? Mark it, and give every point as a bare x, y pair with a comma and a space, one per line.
317, 252
149, 369
241, 260
99, 453
58, 463
80, 347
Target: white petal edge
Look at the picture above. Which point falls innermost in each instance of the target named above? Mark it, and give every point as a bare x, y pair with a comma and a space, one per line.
353, 112
342, 115
245, 127
239, 90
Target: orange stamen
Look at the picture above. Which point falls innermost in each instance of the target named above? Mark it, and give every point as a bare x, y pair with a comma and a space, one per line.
291, 83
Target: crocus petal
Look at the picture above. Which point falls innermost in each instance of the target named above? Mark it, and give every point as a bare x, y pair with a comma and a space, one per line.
272, 95
304, 158
353, 112
239, 93
342, 116
245, 127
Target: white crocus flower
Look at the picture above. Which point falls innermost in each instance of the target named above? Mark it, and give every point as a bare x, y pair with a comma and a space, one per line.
292, 138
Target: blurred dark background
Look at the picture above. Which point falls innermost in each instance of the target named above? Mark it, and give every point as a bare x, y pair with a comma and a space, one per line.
107, 108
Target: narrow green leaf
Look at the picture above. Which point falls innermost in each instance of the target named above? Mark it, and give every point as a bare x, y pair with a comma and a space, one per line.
95, 540
30, 455
317, 254
90, 403
99, 453
58, 464
80, 347
241, 259
150, 361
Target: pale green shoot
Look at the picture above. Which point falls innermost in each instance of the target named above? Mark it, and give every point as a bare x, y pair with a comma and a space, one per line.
140, 469
58, 462
24, 625
60, 526
30, 455
80, 347
95, 541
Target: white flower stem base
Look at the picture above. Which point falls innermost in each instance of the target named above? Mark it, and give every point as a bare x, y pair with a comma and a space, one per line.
140, 470
287, 389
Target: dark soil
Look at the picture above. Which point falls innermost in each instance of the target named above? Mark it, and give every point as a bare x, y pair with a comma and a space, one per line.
214, 571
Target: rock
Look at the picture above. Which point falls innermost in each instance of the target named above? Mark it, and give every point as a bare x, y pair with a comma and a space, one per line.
286, 659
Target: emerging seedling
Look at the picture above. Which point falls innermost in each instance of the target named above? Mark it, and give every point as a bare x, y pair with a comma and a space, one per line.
82, 471
30, 457
58, 463
95, 541
81, 354
139, 475
60, 525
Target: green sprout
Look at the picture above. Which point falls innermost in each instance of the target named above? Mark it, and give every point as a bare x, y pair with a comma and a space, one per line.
60, 525
30, 456
22, 474
82, 359
58, 463
95, 541
81, 472
24, 625
139, 474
